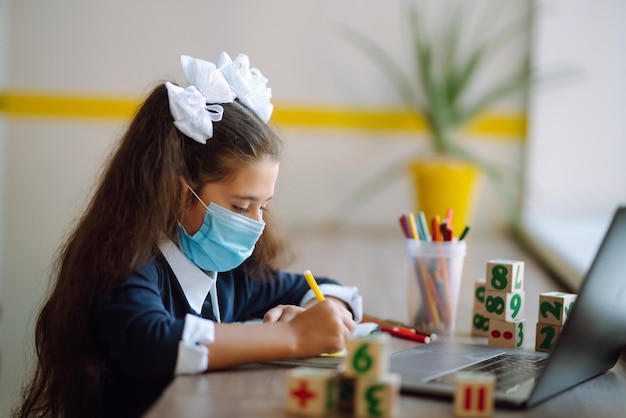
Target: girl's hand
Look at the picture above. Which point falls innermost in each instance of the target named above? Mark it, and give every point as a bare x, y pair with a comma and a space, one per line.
282, 313
323, 328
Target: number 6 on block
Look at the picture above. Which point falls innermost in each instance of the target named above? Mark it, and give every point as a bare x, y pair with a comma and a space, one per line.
367, 356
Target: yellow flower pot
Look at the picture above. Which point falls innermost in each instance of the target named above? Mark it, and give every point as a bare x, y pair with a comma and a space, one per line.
444, 184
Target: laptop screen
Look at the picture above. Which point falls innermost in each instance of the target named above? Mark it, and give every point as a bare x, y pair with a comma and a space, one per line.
595, 332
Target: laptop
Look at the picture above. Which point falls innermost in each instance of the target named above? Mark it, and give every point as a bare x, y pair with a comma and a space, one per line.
590, 343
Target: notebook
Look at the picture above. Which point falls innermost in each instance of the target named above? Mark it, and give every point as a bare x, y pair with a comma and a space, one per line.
332, 360
590, 343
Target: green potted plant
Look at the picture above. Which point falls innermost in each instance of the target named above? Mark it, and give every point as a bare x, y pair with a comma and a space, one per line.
437, 91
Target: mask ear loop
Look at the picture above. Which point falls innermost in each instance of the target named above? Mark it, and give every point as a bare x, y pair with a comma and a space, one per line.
197, 197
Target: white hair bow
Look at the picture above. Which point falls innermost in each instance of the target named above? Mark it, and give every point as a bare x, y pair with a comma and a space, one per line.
248, 84
196, 107
192, 115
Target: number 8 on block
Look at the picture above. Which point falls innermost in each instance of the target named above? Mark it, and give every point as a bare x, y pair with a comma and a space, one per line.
505, 275
504, 306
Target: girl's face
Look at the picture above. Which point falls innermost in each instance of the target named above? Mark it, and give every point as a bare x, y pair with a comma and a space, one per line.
247, 192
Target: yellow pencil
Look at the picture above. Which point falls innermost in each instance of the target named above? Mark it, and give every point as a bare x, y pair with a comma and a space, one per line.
320, 298
313, 284
413, 226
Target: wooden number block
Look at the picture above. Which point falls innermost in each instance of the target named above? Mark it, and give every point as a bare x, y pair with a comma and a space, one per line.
480, 325
377, 396
506, 334
367, 356
479, 296
474, 394
547, 334
504, 306
554, 307
311, 391
505, 275
345, 393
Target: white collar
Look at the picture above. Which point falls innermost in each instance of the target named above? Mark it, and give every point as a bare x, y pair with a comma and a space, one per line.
196, 283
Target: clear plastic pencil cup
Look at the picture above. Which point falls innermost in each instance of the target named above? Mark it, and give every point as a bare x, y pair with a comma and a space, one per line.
436, 267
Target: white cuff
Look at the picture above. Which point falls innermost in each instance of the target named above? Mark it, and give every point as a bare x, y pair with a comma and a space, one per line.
349, 294
193, 353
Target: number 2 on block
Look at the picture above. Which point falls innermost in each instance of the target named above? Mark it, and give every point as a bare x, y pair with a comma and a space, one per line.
549, 340
548, 308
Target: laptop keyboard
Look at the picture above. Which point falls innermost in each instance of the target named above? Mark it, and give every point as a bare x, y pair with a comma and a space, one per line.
510, 370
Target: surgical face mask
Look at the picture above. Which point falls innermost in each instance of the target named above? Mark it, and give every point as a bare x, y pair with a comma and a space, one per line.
224, 241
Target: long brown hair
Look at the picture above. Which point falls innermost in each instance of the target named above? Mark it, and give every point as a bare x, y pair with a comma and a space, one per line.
137, 200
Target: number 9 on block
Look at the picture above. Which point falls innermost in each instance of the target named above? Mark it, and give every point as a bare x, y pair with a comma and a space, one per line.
504, 306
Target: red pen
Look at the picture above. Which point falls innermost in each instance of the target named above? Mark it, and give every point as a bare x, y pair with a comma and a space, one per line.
383, 323
397, 332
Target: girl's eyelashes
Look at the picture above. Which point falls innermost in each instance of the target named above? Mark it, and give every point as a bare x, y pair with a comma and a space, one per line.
239, 209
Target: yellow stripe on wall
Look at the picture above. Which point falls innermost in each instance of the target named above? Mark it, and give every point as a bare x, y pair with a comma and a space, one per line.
30, 105
15, 104
510, 125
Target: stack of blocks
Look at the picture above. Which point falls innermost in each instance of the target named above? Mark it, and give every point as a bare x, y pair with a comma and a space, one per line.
499, 309
362, 386
480, 323
554, 308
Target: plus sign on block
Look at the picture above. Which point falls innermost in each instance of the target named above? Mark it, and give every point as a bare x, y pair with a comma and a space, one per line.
311, 391
474, 394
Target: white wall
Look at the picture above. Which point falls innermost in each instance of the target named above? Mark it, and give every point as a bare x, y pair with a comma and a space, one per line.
577, 129
575, 172
121, 48
4, 46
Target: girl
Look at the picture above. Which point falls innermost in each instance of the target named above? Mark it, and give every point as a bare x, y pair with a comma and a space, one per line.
161, 264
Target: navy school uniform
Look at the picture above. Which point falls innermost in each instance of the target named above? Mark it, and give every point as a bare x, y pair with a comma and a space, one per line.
140, 324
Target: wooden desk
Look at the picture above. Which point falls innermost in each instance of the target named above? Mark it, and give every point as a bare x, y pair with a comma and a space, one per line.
259, 390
